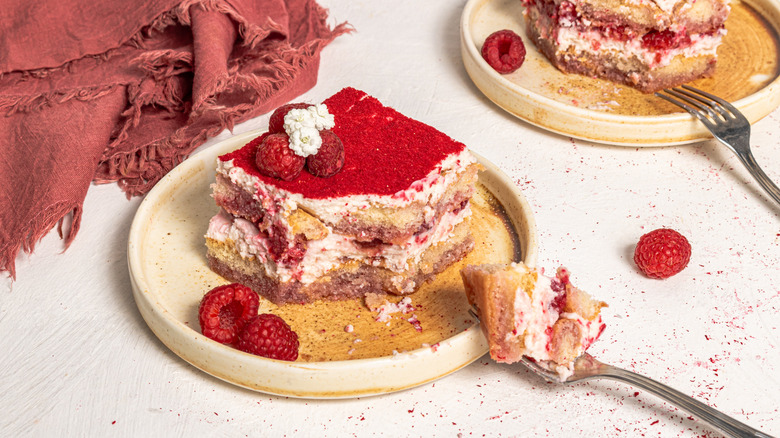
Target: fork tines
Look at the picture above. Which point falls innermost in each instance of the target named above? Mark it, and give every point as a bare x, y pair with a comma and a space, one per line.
687, 97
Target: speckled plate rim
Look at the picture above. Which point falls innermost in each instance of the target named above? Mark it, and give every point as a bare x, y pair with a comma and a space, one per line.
599, 126
336, 379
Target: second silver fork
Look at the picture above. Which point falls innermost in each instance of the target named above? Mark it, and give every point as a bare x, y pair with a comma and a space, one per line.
726, 123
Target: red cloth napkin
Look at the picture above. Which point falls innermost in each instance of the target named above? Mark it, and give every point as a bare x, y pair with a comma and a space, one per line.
122, 91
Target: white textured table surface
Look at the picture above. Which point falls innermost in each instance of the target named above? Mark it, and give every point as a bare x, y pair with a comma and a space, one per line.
77, 359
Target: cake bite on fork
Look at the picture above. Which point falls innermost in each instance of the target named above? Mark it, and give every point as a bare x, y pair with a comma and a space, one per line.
526, 314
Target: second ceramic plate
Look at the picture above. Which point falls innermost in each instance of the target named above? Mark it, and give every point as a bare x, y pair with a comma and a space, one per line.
748, 74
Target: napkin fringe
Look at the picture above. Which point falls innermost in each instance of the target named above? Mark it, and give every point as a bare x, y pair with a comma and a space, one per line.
10, 105
39, 227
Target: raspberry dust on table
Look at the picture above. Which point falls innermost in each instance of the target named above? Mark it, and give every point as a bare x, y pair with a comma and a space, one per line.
121, 98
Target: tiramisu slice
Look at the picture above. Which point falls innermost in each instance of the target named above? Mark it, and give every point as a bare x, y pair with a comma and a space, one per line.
525, 313
646, 44
393, 216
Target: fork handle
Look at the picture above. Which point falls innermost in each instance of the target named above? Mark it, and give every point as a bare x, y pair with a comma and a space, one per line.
720, 421
746, 157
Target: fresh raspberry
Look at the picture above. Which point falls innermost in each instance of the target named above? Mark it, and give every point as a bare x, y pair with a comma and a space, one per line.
269, 336
504, 50
276, 122
224, 311
329, 159
662, 253
275, 158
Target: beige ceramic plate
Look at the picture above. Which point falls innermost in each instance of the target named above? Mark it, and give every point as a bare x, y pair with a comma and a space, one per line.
748, 74
344, 351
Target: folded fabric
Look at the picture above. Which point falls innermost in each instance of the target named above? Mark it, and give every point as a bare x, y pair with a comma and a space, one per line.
122, 91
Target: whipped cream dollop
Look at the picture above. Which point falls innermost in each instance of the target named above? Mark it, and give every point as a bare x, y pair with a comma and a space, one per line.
303, 126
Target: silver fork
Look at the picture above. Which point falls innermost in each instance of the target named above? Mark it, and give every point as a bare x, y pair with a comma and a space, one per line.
586, 367
726, 123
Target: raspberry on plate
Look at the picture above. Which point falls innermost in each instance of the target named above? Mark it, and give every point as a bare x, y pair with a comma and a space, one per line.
504, 50
224, 310
662, 253
329, 159
269, 336
276, 122
274, 158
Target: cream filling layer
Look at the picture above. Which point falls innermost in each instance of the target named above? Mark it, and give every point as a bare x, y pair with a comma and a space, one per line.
335, 249
592, 41
427, 190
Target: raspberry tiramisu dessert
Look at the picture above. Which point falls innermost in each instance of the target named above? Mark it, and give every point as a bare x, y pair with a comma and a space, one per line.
525, 313
645, 44
340, 199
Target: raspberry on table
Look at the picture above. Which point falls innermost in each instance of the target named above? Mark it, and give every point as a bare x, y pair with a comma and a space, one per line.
274, 158
662, 253
224, 311
276, 122
329, 159
504, 50
269, 336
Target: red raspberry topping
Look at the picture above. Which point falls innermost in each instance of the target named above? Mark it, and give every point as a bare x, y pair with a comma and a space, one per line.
504, 50
224, 311
329, 159
274, 158
276, 122
662, 253
269, 336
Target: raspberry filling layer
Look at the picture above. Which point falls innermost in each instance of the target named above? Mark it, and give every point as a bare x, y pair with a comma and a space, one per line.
562, 23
